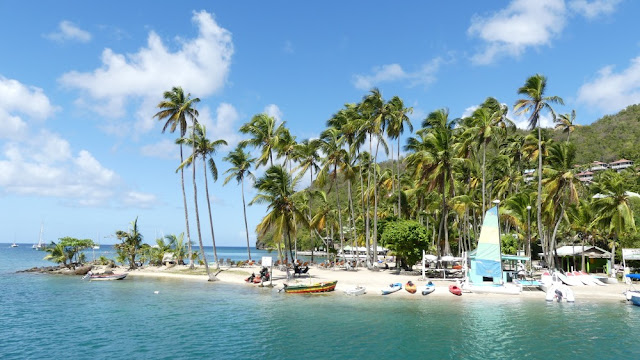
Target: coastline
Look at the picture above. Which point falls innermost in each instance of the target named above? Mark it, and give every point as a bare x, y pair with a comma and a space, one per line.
374, 281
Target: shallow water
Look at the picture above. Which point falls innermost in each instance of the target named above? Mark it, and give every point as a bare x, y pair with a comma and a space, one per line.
46, 316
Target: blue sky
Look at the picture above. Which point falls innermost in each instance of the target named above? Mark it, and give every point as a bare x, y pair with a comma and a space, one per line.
79, 81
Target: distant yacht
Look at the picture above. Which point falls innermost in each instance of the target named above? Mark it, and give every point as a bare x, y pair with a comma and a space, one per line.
14, 244
40, 244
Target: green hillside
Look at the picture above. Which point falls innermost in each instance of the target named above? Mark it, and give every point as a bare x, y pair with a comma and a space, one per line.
610, 138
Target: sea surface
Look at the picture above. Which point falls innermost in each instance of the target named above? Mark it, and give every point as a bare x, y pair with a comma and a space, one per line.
61, 317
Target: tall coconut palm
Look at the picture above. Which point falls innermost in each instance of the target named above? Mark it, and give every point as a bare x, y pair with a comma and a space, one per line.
240, 169
286, 147
331, 143
265, 135
613, 208
484, 128
306, 154
561, 188
176, 109
536, 101
206, 148
432, 160
276, 189
395, 127
376, 112
566, 123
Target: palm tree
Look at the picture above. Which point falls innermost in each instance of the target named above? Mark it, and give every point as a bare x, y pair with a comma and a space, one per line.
306, 154
561, 188
276, 189
56, 253
566, 123
286, 147
331, 144
264, 135
613, 206
176, 109
240, 168
130, 243
395, 128
534, 88
206, 148
432, 161
376, 112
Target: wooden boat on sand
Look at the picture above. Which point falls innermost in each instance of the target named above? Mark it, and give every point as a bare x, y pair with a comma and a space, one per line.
310, 288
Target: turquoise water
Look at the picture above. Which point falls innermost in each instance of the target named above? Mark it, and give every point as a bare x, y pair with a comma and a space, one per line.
45, 316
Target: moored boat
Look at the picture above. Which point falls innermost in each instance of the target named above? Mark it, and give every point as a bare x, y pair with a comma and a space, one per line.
455, 290
358, 290
96, 277
428, 288
410, 287
312, 288
391, 288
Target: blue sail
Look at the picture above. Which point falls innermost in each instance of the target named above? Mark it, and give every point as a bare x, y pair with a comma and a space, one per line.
488, 260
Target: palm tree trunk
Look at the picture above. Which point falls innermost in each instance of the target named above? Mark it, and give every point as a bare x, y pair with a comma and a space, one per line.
375, 204
335, 181
365, 214
244, 209
206, 188
393, 182
484, 161
195, 203
539, 199
399, 185
186, 212
353, 221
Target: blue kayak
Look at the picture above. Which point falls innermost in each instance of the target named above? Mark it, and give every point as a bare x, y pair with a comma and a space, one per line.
391, 289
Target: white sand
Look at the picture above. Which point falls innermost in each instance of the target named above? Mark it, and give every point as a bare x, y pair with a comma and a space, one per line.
373, 281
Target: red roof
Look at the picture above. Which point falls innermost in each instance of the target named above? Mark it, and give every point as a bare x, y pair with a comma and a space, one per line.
621, 161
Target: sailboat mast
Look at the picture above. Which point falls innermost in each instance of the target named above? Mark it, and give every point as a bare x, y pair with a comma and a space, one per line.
497, 202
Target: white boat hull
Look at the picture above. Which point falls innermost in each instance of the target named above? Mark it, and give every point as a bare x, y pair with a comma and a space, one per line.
359, 290
564, 293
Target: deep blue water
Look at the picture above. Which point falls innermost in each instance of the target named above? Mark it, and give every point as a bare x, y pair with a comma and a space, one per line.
54, 317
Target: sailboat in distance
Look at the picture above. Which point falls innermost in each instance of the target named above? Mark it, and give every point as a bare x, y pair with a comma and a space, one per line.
40, 244
97, 245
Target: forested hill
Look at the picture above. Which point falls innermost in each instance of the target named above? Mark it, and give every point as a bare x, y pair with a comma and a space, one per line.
610, 138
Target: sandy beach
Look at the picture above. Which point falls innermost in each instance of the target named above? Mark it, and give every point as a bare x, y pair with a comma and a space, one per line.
374, 281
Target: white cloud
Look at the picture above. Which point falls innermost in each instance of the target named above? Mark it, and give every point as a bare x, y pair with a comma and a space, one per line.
611, 91
203, 64
469, 111
521, 25
28, 100
395, 72
592, 9
274, 111
69, 31
12, 126
139, 200
164, 149
222, 127
45, 166
522, 121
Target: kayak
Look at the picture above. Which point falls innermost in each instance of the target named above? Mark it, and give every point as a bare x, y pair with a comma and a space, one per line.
428, 288
455, 290
391, 288
410, 287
